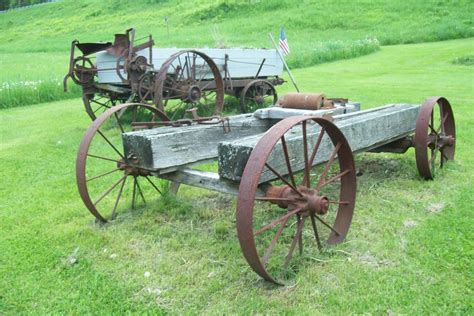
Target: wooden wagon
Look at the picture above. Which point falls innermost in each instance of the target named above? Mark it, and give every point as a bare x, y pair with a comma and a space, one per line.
292, 170
132, 70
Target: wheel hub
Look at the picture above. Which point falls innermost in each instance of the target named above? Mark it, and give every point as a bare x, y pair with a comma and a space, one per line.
310, 202
440, 141
194, 94
130, 170
259, 99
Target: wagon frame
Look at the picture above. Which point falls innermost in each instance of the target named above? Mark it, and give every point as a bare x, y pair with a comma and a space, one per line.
270, 157
142, 82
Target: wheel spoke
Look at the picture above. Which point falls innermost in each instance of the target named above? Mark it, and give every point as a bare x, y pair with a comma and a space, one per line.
299, 230
327, 225
276, 222
110, 189
103, 158
335, 178
287, 159
112, 215
305, 153
315, 230
328, 164
269, 250
441, 125
141, 192
283, 179
103, 174
315, 149
118, 122
111, 145
272, 199
134, 192
154, 186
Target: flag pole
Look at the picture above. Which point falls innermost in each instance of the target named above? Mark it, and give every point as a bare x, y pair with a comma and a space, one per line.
284, 62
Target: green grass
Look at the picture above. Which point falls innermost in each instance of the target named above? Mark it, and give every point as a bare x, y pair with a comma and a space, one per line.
467, 60
39, 38
409, 250
30, 78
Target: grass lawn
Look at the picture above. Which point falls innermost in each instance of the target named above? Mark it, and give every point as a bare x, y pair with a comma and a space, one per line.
409, 249
35, 42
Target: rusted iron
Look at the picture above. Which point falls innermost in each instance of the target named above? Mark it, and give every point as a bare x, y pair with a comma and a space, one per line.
301, 200
434, 143
305, 101
196, 88
102, 143
257, 94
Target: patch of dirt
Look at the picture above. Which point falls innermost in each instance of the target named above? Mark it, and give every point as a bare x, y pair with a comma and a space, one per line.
435, 207
410, 223
369, 260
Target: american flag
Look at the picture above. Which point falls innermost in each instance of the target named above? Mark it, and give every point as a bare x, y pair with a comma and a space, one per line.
283, 42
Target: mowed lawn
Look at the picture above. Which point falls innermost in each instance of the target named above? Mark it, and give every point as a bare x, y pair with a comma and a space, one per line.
409, 249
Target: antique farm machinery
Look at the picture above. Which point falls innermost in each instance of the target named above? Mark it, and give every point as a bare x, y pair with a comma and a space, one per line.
291, 169
131, 70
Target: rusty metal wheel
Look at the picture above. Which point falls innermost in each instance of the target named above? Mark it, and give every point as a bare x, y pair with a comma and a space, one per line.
121, 66
83, 70
257, 94
103, 170
435, 136
273, 209
96, 104
189, 79
146, 87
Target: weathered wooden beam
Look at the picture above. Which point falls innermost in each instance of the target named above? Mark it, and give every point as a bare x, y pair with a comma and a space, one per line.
205, 180
363, 131
167, 148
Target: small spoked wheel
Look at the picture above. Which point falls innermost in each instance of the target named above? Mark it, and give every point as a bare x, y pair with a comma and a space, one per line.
83, 71
108, 182
121, 66
96, 104
298, 189
189, 79
146, 88
257, 94
435, 136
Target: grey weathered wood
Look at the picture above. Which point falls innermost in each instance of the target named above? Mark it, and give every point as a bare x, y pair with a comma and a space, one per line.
242, 62
282, 113
167, 148
362, 130
204, 179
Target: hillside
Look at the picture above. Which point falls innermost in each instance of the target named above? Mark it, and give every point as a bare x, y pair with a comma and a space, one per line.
34, 42
195, 23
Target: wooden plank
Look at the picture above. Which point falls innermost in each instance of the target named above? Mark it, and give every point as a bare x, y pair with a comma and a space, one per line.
168, 148
242, 63
171, 147
362, 130
205, 180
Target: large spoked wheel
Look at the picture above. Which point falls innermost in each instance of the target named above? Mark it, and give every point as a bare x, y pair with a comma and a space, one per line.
309, 205
435, 136
257, 94
189, 79
107, 180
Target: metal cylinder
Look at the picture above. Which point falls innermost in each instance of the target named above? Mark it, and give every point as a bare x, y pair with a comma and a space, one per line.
304, 101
